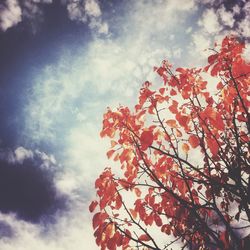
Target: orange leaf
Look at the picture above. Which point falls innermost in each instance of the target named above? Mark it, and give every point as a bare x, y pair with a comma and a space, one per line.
113, 143
110, 153
210, 112
178, 133
110, 230
171, 123
133, 213
185, 147
137, 192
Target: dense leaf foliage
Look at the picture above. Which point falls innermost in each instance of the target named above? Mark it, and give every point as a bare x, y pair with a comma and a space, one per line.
183, 154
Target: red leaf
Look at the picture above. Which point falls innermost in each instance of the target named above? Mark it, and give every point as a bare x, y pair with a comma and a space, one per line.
213, 146
166, 229
149, 220
174, 107
173, 92
158, 220
194, 141
144, 237
219, 85
111, 244
212, 58
160, 71
181, 70
210, 112
182, 119
97, 219
92, 206
162, 90
146, 139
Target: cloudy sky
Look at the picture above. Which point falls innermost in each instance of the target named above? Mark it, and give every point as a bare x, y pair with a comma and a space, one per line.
62, 62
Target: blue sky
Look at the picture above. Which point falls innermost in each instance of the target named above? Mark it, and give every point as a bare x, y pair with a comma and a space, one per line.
62, 63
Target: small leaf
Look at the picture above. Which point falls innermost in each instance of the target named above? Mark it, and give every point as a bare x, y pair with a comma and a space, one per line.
113, 143
146, 139
110, 153
194, 141
144, 237
212, 58
174, 107
185, 147
92, 206
137, 192
162, 90
213, 146
158, 220
133, 213
173, 92
171, 123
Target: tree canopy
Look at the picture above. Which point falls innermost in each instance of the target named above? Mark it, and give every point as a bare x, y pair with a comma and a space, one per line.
182, 154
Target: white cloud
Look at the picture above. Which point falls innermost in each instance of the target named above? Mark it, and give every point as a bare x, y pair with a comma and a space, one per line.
10, 14
246, 53
244, 25
88, 11
107, 72
227, 17
76, 11
99, 26
92, 8
236, 9
221, 21
22, 153
73, 231
200, 43
177, 53
209, 21
215, 22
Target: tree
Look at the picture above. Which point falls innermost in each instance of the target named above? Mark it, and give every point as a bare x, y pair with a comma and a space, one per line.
184, 160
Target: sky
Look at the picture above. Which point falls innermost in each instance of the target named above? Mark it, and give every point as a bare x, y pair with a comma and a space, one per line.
62, 63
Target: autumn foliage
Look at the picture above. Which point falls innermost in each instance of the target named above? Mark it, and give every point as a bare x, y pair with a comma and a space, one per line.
182, 156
